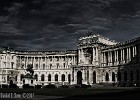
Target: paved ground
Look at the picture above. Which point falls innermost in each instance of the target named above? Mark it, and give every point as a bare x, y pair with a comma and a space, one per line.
37, 97
127, 95
123, 95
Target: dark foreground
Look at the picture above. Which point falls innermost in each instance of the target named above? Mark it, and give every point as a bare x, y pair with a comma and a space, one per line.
74, 94
123, 95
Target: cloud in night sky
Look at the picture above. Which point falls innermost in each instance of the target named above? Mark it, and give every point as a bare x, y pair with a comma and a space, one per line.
57, 24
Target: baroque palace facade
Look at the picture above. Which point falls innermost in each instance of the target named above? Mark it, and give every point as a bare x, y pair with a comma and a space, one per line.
96, 60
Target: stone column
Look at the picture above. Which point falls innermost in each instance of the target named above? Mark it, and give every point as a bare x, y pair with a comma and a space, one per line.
75, 77
33, 63
108, 58
121, 58
127, 54
45, 62
79, 57
90, 76
123, 55
111, 58
117, 57
102, 59
133, 51
93, 62
83, 75
74, 60
105, 59
25, 61
97, 56
39, 62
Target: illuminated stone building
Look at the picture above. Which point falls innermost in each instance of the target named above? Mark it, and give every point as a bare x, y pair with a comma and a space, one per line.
96, 60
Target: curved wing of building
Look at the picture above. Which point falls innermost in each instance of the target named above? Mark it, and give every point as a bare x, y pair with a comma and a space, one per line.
96, 60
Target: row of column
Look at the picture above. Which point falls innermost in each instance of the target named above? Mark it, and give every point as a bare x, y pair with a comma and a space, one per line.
118, 56
32, 60
84, 60
95, 56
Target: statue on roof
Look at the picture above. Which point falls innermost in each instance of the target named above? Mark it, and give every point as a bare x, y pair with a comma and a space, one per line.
30, 69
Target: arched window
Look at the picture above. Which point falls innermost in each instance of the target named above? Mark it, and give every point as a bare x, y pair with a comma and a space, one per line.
21, 77
63, 77
42, 77
113, 76
125, 76
49, 77
56, 77
36, 77
131, 75
107, 77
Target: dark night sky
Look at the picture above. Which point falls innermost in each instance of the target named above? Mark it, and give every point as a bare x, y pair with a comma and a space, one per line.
57, 24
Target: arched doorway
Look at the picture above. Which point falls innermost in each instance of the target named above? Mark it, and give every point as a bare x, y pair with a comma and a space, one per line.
56, 77
119, 76
63, 77
49, 77
107, 77
113, 76
42, 77
137, 75
8, 78
79, 77
125, 76
21, 77
94, 77
131, 76
11, 82
36, 77
69, 78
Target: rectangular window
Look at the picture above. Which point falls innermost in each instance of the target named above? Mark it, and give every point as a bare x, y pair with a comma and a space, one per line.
22, 66
64, 65
50, 66
31, 81
36, 66
12, 64
12, 57
43, 66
